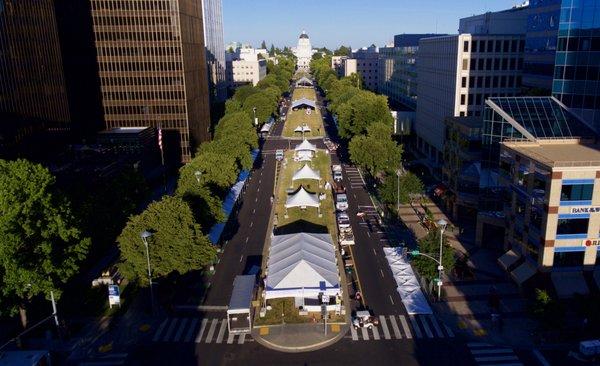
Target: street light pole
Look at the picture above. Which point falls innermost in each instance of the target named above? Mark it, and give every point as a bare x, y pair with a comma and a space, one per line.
198, 175
145, 235
255, 120
398, 197
442, 225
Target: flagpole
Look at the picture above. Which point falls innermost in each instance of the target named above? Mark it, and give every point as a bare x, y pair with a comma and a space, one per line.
162, 158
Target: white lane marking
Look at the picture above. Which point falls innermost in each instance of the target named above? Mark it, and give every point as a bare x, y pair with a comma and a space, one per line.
241, 258
436, 326
384, 327
256, 199
242, 338
201, 331
365, 334
448, 330
374, 252
159, 331
540, 357
395, 327
188, 336
491, 351
354, 334
181, 329
258, 189
254, 210
251, 223
222, 331
415, 326
170, 330
426, 327
391, 300
211, 331
381, 271
375, 333
405, 326
369, 235
230, 338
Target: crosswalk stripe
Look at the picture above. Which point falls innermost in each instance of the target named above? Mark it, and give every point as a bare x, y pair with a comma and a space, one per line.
242, 338
221, 331
354, 334
384, 327
436, 326
448, 330
365, 334
201, 331
170, 330
405, 326
496, 358
159, 330
211, 331
491, 351
181, 329
190, 332
395, 327
415, 326
230, 338
375, 333
426, 327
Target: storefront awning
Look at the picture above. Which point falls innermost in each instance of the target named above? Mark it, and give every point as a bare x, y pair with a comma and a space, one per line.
523, 272
568, 284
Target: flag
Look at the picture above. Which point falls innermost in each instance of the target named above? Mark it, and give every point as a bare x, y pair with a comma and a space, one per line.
160, 145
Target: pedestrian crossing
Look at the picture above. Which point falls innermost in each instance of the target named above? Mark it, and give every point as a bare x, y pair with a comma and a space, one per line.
403, 327
486, 354
187, 330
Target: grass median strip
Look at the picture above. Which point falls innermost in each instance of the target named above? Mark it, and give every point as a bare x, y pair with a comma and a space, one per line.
314, 120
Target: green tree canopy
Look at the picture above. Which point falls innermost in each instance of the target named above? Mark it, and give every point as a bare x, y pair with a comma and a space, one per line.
409, 184
375, 154
206, 206
362, 110
264, 104
176, 245
430, 244
41, 246
263, 45
232, 146
343, 51
243, 92
237, 126
232, 105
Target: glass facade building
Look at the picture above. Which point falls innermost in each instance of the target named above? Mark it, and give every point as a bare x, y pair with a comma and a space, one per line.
152, 65
577, 66
540, 43
215, 48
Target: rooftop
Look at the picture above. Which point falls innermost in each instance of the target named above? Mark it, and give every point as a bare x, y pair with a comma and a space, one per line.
558, 153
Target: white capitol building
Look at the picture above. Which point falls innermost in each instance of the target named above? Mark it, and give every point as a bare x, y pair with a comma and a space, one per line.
303, 52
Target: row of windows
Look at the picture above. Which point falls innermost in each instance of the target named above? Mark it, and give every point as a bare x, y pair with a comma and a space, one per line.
576, 192
496, 64
140, 66
142, 81
591, 73
132, 5
579, 101
504, 81
144, 95
139, 51
132, 109
495, 45
134, 19
578, 44
156, 36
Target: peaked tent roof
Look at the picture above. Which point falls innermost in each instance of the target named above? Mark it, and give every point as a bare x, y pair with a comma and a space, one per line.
305, 146
303, 101
306, 172
302, 199
304, 80
301, 260
304, 128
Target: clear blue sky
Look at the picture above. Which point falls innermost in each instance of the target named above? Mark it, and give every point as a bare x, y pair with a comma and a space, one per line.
350, 22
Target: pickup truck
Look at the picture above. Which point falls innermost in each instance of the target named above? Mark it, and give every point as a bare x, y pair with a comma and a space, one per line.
337, 172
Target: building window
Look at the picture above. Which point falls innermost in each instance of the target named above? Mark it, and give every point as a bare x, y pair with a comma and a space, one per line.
466, 46
464, 82
463, 99
465, 64
576, 193
474, 46
568, 259
572, 228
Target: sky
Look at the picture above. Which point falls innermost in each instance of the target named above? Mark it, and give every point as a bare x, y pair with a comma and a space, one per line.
357, 23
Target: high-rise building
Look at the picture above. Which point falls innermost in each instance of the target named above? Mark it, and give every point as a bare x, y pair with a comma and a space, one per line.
456, 75
577, 68
215, 48
303, 52
365, 62
153, 72
33, 94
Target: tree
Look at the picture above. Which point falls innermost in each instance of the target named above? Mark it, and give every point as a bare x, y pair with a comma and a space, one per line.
206, 206
237, 126
263, 45
219, 170
41, 246
176, 245
343, 51
264, 104
317, 56
272, 50
409, 184
233, 147
375, 153
362, 110
430, 244
232, 105
243, 92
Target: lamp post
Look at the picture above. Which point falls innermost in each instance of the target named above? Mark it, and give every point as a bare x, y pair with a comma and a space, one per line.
198, 175
255, 120
442, 225
145, 235
398, 172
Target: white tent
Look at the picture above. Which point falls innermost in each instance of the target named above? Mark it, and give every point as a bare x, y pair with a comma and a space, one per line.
303, 129
304, 81
302, 265
306, 172
305, 145
302, 199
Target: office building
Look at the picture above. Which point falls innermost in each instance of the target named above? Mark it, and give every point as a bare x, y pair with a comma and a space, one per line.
456, 74
552, 210
215, 48
33, 92
365, 62
338, 64
303, 52
510, 21
152, 63
412, 39
577, 70
243, 72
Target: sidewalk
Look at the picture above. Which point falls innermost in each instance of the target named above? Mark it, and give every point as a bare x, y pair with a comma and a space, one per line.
299, 337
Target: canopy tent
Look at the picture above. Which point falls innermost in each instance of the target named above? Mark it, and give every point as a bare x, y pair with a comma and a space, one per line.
304, 81
302, 199
408, 286
266, 127
303, 128
306, 172
302, 265
305, 150
304, 102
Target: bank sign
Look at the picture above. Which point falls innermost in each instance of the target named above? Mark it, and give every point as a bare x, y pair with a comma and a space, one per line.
591, 242
585, 209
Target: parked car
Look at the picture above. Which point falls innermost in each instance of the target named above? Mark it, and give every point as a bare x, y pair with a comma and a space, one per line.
343, 220
364, 319
341, 202
337, 172
279, 155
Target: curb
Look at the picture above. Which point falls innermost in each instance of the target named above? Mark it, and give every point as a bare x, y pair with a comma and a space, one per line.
300, 349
